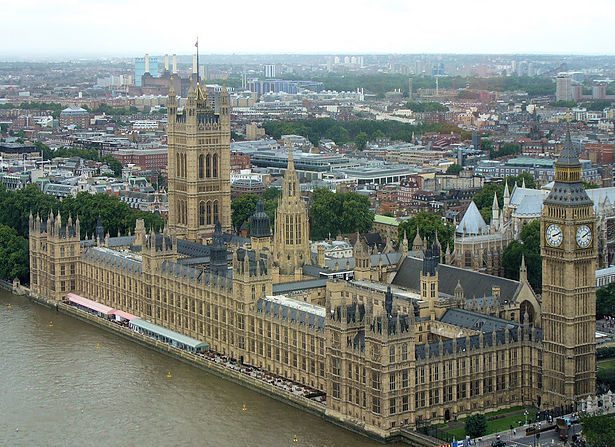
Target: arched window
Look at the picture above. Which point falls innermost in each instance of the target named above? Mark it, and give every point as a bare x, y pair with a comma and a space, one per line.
201, 212
201, 166
208, 213
215, 166
184, 166
208, 166
178, 212
178, 166
216, 214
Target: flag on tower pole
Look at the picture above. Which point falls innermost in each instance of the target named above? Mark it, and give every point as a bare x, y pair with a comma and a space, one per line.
196, 44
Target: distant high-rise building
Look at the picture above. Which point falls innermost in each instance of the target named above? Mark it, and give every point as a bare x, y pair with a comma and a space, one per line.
577, 92
166, 62
146, 64
269, 70
139, 70
475, 140
563, 87
599, 90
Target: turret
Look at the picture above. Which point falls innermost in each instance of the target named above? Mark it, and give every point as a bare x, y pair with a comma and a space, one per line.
495, 213
506, 196
139, 233
260, 228
218, 255
100, 231
523, 270
429, 280
417, 243
320, 253
362, 259
404, 244
459, 295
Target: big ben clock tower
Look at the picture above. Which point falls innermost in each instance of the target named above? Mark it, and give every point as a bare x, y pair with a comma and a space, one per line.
569, 253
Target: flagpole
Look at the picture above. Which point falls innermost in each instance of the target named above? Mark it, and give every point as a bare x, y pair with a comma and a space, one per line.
197, 60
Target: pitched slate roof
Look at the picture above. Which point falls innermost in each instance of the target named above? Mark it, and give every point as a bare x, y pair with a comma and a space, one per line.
292, 310
472, 222
474, 284
288, 287
531, 205
473, 320
124, 261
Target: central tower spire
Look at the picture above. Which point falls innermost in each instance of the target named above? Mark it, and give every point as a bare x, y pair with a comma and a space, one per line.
291, 248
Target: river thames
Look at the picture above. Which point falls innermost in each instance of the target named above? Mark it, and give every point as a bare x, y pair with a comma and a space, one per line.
66, 383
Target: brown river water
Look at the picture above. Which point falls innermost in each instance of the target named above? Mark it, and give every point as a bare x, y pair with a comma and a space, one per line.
66, 383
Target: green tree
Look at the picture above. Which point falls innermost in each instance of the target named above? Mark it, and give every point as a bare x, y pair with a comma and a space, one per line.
17, 205
356, 215
242, 208
454, 169
484, 198
344, 131
332, 214
599, 431
113, 164
272, 194
14, 257
589, 185
563, 104
324, 214
605, 301
505, 150
339, 134
528, 246
116, 216
428, 224
476, 426
361, 140
426, 107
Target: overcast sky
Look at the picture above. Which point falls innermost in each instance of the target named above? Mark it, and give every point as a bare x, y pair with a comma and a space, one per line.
133, 27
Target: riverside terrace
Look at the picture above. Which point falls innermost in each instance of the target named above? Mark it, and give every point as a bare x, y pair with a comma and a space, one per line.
125, 320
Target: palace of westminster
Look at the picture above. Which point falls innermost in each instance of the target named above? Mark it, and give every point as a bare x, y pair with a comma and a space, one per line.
406, 339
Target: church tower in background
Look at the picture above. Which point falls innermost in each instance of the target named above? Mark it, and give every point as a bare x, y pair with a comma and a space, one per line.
291, 245
199, 164
569, 255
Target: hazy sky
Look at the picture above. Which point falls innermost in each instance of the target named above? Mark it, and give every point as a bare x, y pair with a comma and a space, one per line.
134, 27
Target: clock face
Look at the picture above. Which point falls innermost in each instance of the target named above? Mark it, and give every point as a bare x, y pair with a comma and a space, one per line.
584, 236
554, 235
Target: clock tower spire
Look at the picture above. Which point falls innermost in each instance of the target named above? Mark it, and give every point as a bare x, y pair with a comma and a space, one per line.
569, 255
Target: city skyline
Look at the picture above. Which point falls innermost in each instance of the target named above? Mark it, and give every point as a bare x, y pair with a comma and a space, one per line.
70, 28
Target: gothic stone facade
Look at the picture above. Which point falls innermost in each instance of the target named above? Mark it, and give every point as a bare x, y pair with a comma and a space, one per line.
199, 165
385, 358
407, 342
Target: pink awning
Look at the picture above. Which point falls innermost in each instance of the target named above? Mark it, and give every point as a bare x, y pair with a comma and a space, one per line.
124, 315
93, 305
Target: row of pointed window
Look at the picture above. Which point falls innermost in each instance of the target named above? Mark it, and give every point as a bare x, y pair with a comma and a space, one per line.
209, 212
208, 166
